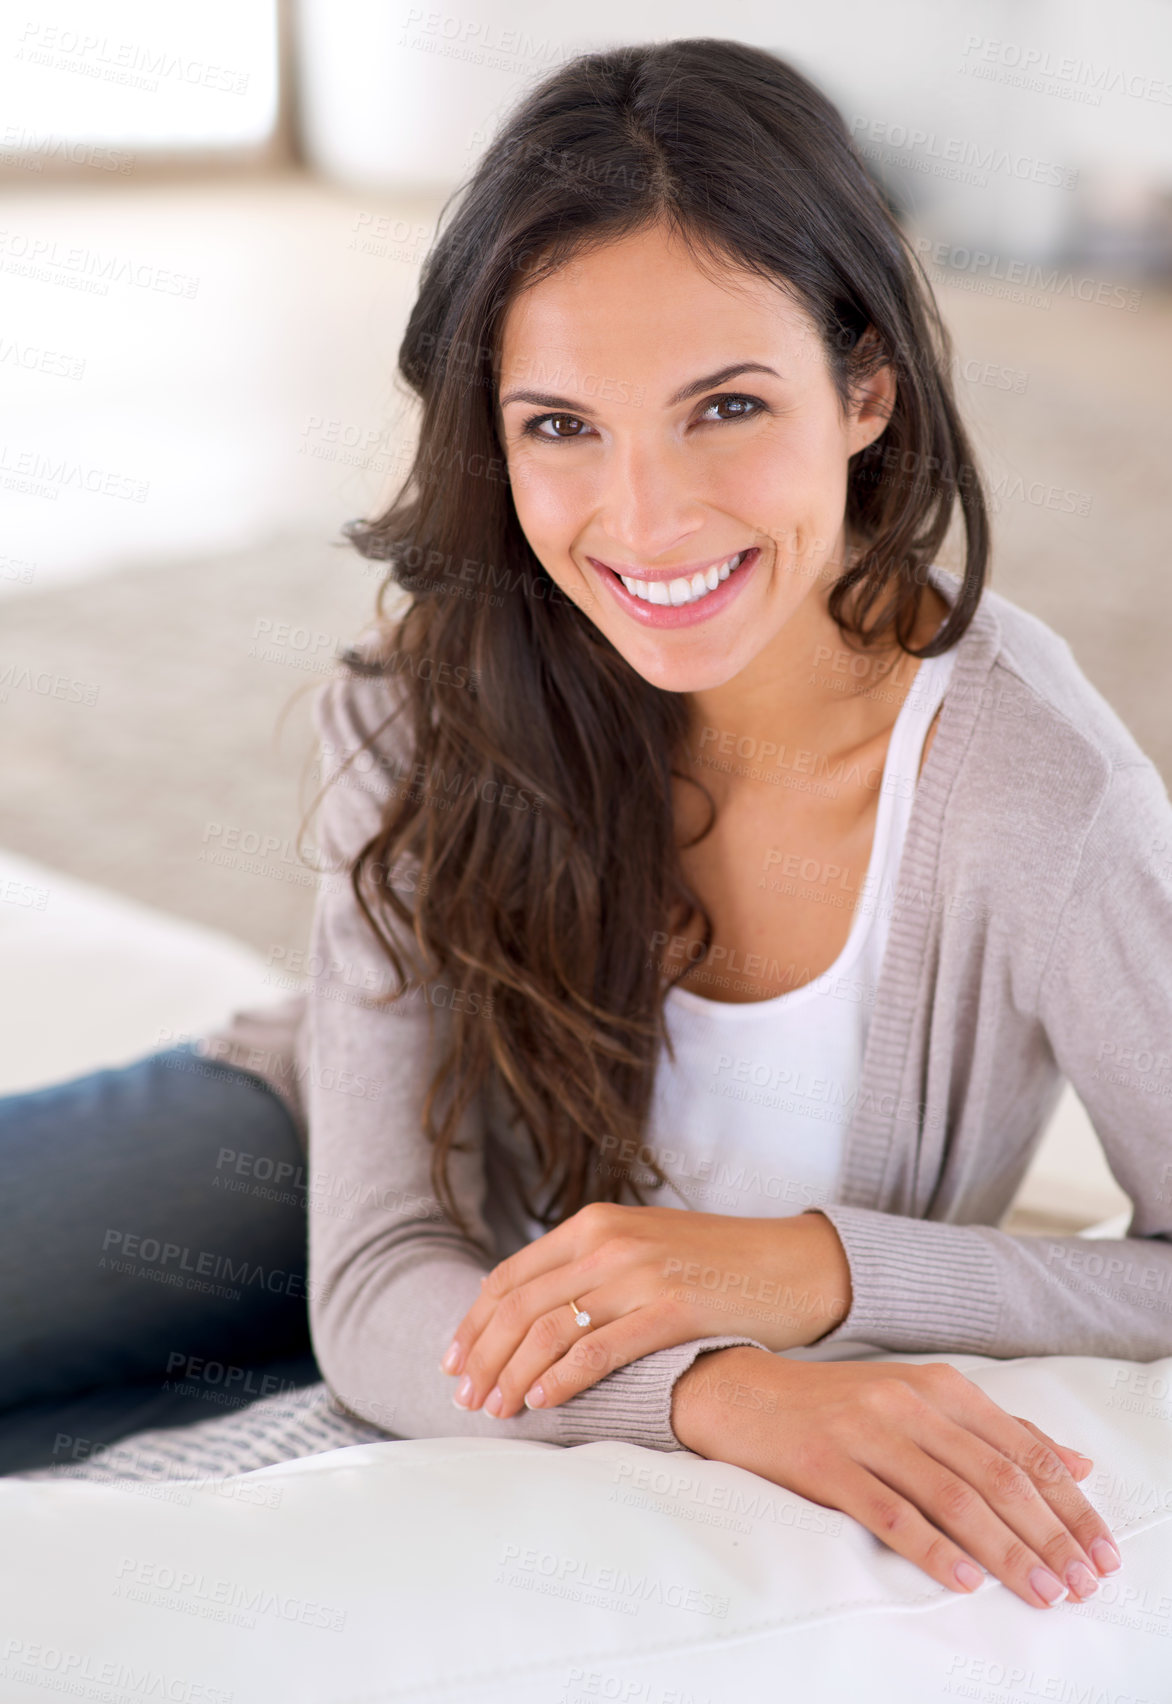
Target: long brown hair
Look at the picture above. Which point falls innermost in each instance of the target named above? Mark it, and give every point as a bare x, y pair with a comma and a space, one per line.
541, 920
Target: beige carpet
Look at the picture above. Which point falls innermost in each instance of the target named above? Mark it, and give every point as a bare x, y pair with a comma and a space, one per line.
191, 750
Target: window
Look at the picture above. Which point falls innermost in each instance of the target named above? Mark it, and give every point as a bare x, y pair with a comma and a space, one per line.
130, 84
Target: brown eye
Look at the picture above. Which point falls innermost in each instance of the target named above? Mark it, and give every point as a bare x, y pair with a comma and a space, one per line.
531, 428
743, 413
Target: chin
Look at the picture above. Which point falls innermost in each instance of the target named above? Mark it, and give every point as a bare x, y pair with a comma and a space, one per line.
683, 674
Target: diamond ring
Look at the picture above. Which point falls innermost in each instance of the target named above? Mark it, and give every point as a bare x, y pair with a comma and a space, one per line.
581, 1317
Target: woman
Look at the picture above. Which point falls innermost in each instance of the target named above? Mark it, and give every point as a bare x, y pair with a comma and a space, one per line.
693, 836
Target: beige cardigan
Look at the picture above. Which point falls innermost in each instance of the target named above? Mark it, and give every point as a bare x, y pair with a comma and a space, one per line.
1031, 941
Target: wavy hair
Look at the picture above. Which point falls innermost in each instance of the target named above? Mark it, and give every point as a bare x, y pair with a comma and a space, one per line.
540, 917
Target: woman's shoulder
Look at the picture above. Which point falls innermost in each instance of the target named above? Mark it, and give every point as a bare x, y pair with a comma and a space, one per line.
1039, 768
363, 707
1029, 707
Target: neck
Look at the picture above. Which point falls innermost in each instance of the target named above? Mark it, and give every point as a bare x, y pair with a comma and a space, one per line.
808, 689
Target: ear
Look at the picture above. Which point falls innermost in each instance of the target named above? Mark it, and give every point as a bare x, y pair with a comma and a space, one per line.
872, 394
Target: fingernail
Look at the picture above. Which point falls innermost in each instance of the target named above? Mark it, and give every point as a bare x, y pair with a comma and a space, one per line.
1048, 1586
1105, 1556
535, 1398
494, 1401
464, 1395
1081, 1581
969, 1575
451, 1361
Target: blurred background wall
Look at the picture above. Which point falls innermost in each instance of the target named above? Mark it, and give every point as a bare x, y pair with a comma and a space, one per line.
212, 220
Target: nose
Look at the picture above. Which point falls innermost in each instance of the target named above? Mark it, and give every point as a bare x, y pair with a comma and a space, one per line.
647, 502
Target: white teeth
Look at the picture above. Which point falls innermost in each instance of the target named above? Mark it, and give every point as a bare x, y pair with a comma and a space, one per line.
683, 591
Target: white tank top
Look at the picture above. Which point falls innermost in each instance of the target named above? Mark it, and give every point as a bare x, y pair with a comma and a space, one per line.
750, 1116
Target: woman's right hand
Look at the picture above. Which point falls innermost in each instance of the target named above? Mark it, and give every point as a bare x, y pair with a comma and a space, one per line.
919, 1455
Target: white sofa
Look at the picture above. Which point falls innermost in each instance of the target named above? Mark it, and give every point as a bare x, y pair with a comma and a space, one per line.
486, 1570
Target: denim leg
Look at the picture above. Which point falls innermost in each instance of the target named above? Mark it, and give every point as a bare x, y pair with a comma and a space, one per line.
152, 1218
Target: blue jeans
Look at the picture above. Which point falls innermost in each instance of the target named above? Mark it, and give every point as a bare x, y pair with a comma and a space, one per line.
152, 1253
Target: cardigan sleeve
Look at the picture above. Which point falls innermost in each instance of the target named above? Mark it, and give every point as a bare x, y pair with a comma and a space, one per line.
390, 1275
266, 1042
1104, 1001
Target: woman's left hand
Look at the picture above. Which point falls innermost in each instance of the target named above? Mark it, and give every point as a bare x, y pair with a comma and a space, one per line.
649, 1277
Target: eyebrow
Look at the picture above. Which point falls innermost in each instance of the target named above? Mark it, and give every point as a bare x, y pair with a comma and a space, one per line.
694, 388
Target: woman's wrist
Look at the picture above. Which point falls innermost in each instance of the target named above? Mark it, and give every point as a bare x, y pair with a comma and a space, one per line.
719, 1383
835, 1295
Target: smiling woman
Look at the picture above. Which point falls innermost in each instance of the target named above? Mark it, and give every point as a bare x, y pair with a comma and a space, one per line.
673, 900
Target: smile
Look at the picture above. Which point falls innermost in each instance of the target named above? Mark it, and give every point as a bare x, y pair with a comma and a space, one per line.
682, 591
679, 600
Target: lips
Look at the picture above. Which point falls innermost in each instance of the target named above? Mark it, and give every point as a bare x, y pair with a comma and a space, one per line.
673, 599
684, 588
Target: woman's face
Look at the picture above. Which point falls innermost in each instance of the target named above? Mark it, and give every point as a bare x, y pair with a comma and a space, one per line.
629, 453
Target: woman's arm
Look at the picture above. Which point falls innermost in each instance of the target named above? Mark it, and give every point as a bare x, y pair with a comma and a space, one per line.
390, 1277
919, 1455
1104, 1000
